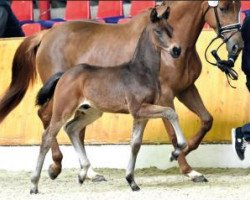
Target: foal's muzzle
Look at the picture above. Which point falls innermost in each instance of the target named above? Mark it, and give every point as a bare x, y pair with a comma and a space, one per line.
176, 52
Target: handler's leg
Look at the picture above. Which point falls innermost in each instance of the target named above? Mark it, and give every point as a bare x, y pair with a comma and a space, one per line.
3, 20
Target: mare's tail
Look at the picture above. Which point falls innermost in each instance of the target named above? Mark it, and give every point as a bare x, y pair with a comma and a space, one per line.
23, 74
47, 91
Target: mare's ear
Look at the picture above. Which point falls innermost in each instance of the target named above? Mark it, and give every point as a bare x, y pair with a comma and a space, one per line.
154, 16
165, 15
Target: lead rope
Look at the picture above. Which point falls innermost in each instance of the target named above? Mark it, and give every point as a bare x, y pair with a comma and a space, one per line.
230, 73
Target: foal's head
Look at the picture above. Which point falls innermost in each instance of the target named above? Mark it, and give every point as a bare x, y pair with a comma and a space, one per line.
162, 32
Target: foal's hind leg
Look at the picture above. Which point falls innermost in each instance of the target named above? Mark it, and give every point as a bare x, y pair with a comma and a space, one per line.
47, 139
55, 168
137, 134
91, 174
74, 130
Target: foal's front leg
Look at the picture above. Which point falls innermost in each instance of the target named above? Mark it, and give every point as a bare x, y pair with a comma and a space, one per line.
145, 112
154, 111
136, 140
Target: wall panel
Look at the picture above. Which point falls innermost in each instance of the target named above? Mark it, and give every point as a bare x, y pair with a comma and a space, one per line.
230, 108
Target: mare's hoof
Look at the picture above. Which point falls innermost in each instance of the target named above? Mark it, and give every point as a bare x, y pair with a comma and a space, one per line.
135, 188
98, 178
54, 171
200, 179
34, 191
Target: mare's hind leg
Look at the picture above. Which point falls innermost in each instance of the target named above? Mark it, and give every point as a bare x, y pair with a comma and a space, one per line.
136, 140
55, 168
75, 129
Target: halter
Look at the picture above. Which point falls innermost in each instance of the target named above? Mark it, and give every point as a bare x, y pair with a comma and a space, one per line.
221, 30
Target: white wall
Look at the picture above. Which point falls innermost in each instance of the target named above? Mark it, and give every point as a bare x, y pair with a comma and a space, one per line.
116, 156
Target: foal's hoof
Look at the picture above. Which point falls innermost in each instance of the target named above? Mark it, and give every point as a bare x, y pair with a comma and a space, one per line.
132, 183
54, 171
200, 179
135, 188
34, 191
175, 154
81, 178
98, 178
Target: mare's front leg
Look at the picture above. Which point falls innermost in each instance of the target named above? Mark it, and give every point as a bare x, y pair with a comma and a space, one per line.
136, 140
192, 100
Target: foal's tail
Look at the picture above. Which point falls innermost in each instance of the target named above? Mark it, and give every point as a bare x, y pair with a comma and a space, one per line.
23, 74
47, 91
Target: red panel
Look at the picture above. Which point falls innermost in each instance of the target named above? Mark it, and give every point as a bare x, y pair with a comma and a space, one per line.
76, 10
23, 10
124, 20
245, 5
110, 9
44, 7
30, 29
139, 6
57, 23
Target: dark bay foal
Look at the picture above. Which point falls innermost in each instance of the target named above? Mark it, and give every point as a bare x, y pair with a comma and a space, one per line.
84, 92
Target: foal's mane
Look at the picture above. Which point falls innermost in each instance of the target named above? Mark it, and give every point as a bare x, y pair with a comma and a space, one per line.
145, 31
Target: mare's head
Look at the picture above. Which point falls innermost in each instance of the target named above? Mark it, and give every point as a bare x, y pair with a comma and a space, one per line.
162, 32
224, 17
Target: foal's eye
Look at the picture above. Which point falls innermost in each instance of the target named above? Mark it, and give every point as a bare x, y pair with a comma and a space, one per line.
158, 33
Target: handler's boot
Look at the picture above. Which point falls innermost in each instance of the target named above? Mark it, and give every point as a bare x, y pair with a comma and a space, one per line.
239, 143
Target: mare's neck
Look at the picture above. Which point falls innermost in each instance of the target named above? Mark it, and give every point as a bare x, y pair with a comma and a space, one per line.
147, 55
187, 19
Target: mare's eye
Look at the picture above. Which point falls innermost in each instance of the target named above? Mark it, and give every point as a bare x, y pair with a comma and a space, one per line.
224, 8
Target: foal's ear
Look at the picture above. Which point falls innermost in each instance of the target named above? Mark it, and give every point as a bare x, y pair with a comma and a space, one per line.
154, 16
165, 15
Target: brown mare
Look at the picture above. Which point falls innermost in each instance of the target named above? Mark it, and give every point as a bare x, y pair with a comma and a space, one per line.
72, 43
86, 91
